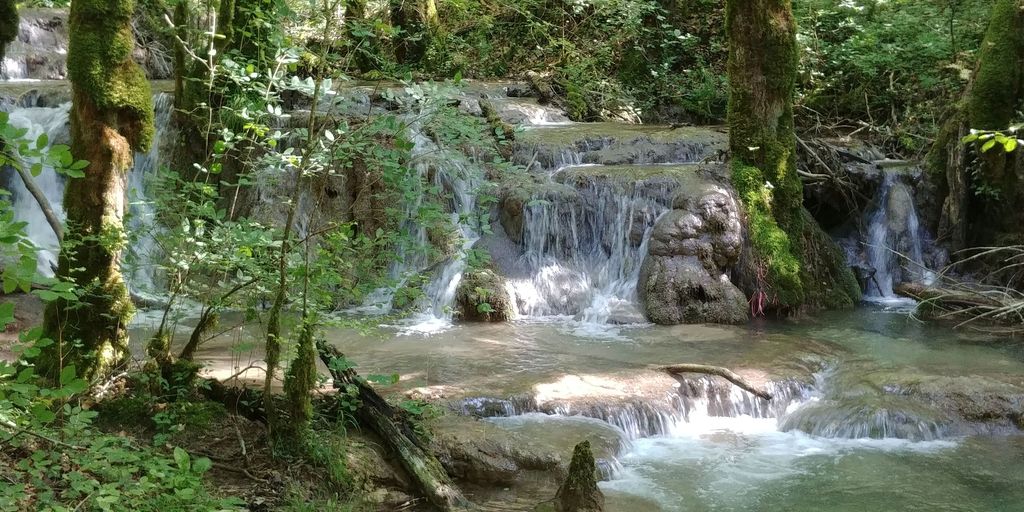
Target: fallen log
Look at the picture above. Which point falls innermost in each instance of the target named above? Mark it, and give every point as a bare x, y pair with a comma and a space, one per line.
946, 298
378, 415
725, 373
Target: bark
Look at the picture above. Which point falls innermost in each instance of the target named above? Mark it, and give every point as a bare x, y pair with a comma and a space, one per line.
762, 73
797, 260
725, 373
378, 415
8, 24
299, 384
111, 118
990, 103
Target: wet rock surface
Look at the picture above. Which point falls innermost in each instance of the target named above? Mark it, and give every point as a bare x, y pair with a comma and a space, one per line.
683, 278
481, 297
482, 453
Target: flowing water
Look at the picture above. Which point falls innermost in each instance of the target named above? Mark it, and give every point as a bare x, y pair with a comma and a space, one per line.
54, 122
895, 240
848, 438
868, 411
872, 411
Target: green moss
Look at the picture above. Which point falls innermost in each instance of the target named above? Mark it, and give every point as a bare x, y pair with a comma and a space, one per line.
762, 71
8, 24
995, 94
100, 65
481, 297
298, 385
771, 244
827, 278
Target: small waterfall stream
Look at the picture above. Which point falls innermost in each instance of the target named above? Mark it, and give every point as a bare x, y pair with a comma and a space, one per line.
583, 251
456, 179
139, 263
894, 242
54, 123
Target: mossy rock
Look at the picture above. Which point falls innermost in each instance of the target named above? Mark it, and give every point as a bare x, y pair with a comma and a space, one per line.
481, 297
517, 195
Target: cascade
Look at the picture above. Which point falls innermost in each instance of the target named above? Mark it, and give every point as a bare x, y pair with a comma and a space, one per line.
894, 241
40, 50
144, 252
582, 251
54, 122
451, 175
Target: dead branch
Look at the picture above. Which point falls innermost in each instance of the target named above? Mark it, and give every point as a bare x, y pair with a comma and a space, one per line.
725, 373
378, 415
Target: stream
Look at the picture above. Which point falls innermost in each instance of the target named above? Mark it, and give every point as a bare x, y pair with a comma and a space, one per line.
873, 410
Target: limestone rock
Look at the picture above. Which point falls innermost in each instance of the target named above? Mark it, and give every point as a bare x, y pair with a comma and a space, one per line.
481, 453
683, 279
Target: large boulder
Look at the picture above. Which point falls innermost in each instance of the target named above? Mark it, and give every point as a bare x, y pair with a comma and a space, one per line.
684, 277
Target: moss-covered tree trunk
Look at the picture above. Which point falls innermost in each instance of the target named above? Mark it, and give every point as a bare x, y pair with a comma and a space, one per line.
994, 97
416, 19
762, 74
8, 24
111, 118
794, 261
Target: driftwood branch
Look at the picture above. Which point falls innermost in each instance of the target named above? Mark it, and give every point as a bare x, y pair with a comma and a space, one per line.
725, 373
378, 415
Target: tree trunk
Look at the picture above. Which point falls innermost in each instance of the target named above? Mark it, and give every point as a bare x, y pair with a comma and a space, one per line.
8, 24
378, 415
111, 118
762, 74
990, 103
794, 260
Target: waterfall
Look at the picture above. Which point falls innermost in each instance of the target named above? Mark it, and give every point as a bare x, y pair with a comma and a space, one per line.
894, 245
140, 264
54, 122
453, 177
13, 69
40, 50
583, 250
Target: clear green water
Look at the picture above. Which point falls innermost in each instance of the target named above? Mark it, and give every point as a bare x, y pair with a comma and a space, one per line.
746, 464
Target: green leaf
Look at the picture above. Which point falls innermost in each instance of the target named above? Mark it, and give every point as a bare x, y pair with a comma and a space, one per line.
182, 459
1010, 145
6, 315
988, 145
42, 141
67, 374
202, 465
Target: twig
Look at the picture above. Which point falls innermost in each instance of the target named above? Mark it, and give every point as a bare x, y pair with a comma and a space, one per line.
19, 431
725, 373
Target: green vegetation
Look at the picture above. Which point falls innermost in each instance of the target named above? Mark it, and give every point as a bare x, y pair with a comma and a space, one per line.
112, 117
762, 77
295, 200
